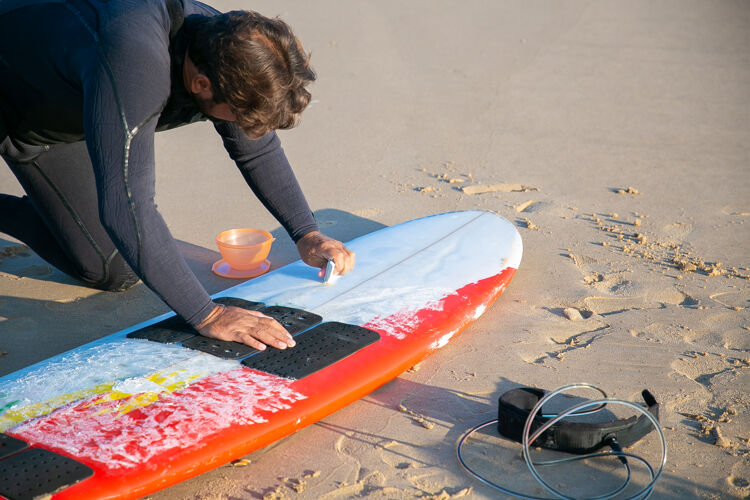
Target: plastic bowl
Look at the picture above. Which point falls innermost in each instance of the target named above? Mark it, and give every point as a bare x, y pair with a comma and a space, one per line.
244, 249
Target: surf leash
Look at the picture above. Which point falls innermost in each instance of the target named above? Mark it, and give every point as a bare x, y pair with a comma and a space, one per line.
520, 419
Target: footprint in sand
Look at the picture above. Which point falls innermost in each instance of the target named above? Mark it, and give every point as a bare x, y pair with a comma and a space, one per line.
15, 251
739, 479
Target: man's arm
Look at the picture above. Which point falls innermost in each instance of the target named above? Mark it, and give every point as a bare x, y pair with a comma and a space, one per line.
123, 95
266, 170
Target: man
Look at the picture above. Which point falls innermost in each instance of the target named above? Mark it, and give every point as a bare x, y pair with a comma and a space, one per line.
85, 84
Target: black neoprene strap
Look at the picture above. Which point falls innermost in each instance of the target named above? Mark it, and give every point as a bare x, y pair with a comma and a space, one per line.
572, 437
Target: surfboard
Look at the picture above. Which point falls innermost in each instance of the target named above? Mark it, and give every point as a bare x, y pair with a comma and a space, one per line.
152, 405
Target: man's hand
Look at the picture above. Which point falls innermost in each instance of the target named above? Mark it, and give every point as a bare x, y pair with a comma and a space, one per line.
316, 249
247, 327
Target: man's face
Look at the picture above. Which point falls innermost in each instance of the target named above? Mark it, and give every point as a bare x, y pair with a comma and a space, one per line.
217, 111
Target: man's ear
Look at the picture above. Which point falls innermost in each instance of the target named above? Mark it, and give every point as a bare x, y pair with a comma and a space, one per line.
200, 85
196, 82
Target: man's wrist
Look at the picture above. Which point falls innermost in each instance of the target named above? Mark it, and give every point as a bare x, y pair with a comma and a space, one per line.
304, 231
309, 235
215, 313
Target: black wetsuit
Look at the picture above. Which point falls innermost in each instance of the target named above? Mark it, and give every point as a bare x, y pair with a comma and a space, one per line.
84, 85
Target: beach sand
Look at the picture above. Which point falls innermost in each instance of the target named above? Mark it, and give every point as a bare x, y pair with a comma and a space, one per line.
615, 135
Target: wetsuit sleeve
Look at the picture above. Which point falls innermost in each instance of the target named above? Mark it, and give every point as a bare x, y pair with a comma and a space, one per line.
267, 171
122, 100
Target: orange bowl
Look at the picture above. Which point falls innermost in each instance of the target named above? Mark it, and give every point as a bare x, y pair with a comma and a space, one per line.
244, 249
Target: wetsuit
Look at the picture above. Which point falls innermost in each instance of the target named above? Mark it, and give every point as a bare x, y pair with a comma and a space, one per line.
84, 85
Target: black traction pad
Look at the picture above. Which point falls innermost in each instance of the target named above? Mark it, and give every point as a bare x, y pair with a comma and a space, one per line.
244, 304
294, 320
169, 331
316, 349
175, 330
10, 445
220, 348
37, 472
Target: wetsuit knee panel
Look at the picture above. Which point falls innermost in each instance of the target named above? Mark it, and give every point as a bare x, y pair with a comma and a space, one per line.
19, 152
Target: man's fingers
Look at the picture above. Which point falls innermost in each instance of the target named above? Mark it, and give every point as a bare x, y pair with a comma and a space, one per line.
248, 327
274, 328
344, 260
276, 338
260, 337
342, 257
316, 249
247, 339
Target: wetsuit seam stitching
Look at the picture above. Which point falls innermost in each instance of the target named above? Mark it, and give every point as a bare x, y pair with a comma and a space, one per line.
73, 214
150, 117
107, 263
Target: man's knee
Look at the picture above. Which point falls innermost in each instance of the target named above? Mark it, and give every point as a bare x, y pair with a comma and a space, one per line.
17, 152
117, 277
119, 282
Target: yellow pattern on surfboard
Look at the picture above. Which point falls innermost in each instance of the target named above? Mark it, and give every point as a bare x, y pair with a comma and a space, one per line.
169, 382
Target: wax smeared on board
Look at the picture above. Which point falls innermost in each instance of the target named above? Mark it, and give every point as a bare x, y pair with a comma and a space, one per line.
175, 421
401, 324
403, 320
143, 391
443, 341
480, 310
104, 368
15, 412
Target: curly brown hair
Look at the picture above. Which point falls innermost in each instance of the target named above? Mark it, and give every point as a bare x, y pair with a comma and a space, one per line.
255, 64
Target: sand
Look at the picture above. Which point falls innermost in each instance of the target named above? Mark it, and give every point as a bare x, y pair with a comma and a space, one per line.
630, 122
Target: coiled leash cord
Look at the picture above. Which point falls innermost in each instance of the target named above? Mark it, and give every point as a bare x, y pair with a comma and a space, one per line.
576, 437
